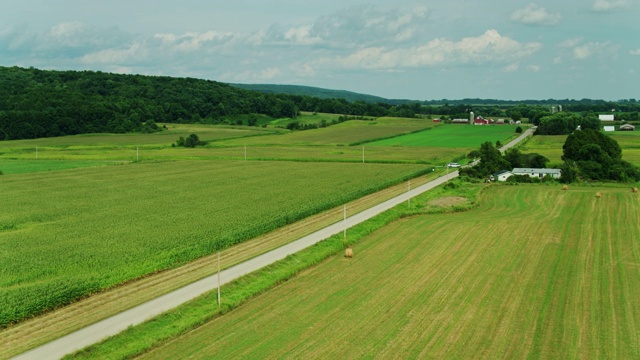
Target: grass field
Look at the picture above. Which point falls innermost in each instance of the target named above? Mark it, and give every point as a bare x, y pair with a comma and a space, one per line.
533, 272
551, 146
75, 232
30, 166
348, 132
451, 135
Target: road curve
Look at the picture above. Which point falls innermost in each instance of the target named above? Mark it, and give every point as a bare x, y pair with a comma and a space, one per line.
136, 315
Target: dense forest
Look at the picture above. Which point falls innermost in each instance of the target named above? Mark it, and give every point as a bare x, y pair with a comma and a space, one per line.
40, 103
36, 103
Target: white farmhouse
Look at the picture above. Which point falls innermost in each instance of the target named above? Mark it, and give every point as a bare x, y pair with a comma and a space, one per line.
606, 117
539, 173
609, 128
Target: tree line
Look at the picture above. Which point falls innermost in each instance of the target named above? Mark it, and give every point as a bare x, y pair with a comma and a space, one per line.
37, 103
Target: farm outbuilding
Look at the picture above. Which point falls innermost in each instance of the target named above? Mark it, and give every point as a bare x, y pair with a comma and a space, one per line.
609, 128
460, 121
501, 175
627, 127
606, 117
539, 173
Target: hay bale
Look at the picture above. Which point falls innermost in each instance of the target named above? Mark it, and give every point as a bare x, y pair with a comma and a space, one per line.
565, 187
634, 189
598, 195
348, 253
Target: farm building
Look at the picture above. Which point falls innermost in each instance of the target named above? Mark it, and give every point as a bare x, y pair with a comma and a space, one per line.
460, 121
627, 127
606, 117
539, 173
436, 120
480, 121
609, 128
501, 175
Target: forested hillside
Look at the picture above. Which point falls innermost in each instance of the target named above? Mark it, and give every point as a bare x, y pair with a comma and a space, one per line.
36, 103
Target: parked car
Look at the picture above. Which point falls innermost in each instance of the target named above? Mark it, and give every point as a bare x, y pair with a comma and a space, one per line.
453, 165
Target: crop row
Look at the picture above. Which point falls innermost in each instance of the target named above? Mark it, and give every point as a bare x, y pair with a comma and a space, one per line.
76, 232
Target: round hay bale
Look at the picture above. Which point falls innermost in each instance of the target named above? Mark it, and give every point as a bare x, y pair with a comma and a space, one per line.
598, 195
348, 253
634, 189
565, 187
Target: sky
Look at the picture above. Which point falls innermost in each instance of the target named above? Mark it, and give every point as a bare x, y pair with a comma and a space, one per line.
418, 50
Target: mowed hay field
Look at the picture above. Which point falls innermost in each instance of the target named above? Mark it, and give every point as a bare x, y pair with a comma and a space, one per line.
533, 272
551, 146
67, 234
453, 135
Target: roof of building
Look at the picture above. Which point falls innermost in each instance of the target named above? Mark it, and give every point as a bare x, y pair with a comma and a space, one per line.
627, 127
535, 171
501, 172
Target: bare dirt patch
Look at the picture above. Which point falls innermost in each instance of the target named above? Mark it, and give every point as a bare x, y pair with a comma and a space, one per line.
448, 201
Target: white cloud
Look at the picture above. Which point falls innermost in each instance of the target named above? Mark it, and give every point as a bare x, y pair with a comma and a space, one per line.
511, 68
133, 53
533, 14
635, 52
193, 41
488, 47
357, 26
610, 5
570, 43
592, 49
534, 68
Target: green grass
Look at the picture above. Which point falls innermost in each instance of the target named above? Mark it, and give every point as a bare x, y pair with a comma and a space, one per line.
546, 145
551, 146
78, 231
348, 132
30, 166
139, 339
559, 282
452, 135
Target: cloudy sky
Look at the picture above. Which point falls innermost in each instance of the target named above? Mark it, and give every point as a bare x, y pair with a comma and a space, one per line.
417, 50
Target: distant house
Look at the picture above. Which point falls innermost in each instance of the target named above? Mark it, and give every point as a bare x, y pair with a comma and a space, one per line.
539, 173
460, 121
609, 128
501, 175
500, 122
606, 117
627, 127
436, 120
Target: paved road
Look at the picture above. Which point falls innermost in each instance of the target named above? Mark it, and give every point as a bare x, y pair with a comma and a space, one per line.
134, 316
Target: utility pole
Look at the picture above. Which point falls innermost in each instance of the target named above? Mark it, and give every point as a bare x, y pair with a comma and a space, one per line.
344, 221
218, 280
137, 153
36, 152
245, 153
408, 191
363, 154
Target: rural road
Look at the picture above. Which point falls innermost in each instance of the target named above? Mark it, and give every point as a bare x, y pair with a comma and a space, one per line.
136, 315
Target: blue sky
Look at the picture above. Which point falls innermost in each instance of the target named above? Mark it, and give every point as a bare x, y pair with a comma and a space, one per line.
419, 50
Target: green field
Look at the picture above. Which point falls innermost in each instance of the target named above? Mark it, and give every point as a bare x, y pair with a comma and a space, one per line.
29, 166
551, 146
546, 145
452, 135
343, 134
71, 233
533, 272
